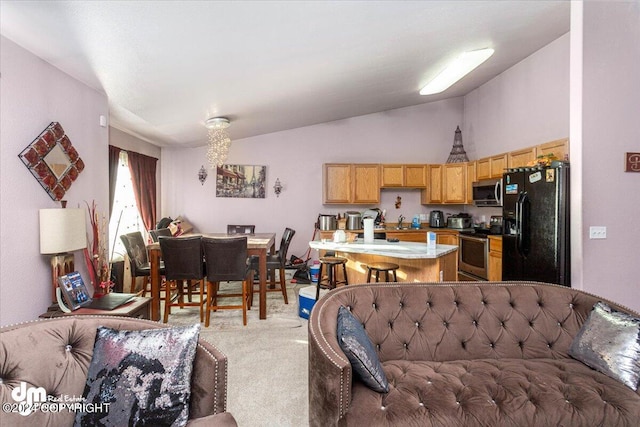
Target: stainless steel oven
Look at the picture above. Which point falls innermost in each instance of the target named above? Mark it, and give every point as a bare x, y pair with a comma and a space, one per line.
473, 257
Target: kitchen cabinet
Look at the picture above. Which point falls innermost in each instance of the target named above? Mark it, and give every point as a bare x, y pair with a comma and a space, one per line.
499, 164
491, 167
559, 148
447, 237
522, 158
337, 183
471, 178
408, 236
433, 193
415, 176
454, 183
447, 184
495, 258
407, 176
366, 183
345, 183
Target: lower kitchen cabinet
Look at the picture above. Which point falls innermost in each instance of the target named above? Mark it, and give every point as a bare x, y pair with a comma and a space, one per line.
495, 258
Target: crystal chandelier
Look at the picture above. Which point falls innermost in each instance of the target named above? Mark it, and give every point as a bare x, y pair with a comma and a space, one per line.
219, 141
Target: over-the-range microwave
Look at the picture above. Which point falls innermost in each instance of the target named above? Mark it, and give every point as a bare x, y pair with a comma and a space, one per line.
487, 192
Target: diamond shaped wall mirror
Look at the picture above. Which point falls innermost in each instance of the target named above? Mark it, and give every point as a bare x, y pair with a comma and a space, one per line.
53, 161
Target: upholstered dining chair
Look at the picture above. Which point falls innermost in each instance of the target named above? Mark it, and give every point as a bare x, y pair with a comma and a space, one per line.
226, 260
136, 249
275, 261
159, 232
240, 229
183, 261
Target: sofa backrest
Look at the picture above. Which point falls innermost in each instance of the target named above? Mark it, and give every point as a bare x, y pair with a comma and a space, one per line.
55, 354
451, 321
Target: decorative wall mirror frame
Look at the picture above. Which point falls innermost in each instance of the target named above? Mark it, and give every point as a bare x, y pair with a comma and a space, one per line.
53, 161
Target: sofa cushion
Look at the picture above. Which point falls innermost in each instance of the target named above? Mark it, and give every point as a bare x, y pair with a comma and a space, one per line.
609, 341
357, 346
489, 392
144, 376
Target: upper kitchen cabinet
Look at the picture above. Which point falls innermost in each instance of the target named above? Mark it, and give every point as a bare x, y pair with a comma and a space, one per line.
491, 167
471, 178
351, 183
407, 176
559, 148
447, 184
454, 183
433, 193
522, 158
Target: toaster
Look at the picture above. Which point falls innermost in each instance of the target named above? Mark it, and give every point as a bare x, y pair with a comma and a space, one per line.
458, 222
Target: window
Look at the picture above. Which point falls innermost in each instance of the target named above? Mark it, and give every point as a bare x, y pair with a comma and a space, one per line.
125, 217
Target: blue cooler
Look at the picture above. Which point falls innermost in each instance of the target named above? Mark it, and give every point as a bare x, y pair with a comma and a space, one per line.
306, 300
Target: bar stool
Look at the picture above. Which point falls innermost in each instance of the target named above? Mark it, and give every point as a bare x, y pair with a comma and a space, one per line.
332, 263
385, 267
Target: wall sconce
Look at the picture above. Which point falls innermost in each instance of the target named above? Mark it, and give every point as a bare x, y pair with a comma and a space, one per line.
202, 175
277, 187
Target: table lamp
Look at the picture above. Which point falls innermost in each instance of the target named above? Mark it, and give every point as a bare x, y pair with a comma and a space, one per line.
61, 232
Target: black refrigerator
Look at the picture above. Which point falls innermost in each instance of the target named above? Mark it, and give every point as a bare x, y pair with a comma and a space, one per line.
535, 240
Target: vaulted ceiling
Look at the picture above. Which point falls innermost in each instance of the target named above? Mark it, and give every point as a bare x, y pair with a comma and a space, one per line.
167, 66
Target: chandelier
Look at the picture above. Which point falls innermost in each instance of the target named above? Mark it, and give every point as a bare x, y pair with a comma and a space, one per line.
219, 141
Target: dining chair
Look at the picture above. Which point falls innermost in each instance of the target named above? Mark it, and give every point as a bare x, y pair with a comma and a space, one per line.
226, 261
183, 261
159, 232
136, 249
240, 229
275, 261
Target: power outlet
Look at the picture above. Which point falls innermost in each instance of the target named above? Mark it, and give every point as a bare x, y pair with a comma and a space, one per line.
597, 232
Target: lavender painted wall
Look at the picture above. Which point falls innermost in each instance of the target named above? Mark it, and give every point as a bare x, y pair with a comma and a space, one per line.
34, 93
420, 134
610, 127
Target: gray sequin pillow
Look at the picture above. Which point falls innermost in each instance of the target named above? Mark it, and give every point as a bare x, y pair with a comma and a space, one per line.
355, 343
142, 377
609, 342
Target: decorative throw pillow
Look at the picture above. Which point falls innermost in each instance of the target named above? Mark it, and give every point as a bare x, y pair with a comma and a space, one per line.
357, 346
142, 377
609, 342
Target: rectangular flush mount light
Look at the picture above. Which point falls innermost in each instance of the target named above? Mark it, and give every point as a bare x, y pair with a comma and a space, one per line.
456, 70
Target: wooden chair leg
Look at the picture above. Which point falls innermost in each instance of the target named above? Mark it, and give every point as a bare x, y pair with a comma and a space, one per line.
245, 296
167, 303
344, 273
201, 284
283, 285
208, 308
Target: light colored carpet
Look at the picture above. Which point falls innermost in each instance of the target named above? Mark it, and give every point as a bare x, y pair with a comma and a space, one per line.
267, 359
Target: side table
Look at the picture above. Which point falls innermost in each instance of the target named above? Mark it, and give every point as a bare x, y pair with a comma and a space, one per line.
138, 308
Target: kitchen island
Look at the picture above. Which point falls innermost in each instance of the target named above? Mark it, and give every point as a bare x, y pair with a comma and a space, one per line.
417, 264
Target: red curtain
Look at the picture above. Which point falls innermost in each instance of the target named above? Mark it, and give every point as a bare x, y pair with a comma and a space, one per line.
143, 177
114, 160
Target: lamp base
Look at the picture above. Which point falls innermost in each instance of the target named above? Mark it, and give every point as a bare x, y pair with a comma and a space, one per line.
61, 264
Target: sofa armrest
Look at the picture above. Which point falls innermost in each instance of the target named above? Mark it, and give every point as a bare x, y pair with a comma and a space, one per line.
330, 374
208, 381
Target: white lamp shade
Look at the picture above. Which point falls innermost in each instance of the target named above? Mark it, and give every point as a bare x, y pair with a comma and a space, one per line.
62, 230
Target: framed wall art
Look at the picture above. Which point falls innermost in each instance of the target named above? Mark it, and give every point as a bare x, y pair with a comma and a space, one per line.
53, 161
241, 181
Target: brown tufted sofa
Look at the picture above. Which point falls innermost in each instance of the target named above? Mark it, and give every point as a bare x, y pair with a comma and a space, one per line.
490, 354
55, 354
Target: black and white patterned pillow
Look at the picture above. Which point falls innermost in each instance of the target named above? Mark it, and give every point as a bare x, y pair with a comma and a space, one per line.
140, 377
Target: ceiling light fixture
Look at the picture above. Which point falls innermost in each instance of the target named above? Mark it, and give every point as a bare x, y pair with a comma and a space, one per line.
219, 141
460, 67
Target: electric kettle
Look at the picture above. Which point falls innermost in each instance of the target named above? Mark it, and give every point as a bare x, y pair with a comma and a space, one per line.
436, 219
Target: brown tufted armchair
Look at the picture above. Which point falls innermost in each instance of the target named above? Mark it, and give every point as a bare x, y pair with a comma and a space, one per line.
55, 354
490, 354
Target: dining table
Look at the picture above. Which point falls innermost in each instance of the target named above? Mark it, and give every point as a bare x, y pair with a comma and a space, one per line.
258, 244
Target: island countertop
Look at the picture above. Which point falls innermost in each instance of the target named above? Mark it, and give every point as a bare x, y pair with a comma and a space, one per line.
402, 250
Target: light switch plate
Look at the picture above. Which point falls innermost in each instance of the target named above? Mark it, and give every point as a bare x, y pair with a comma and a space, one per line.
597, 232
